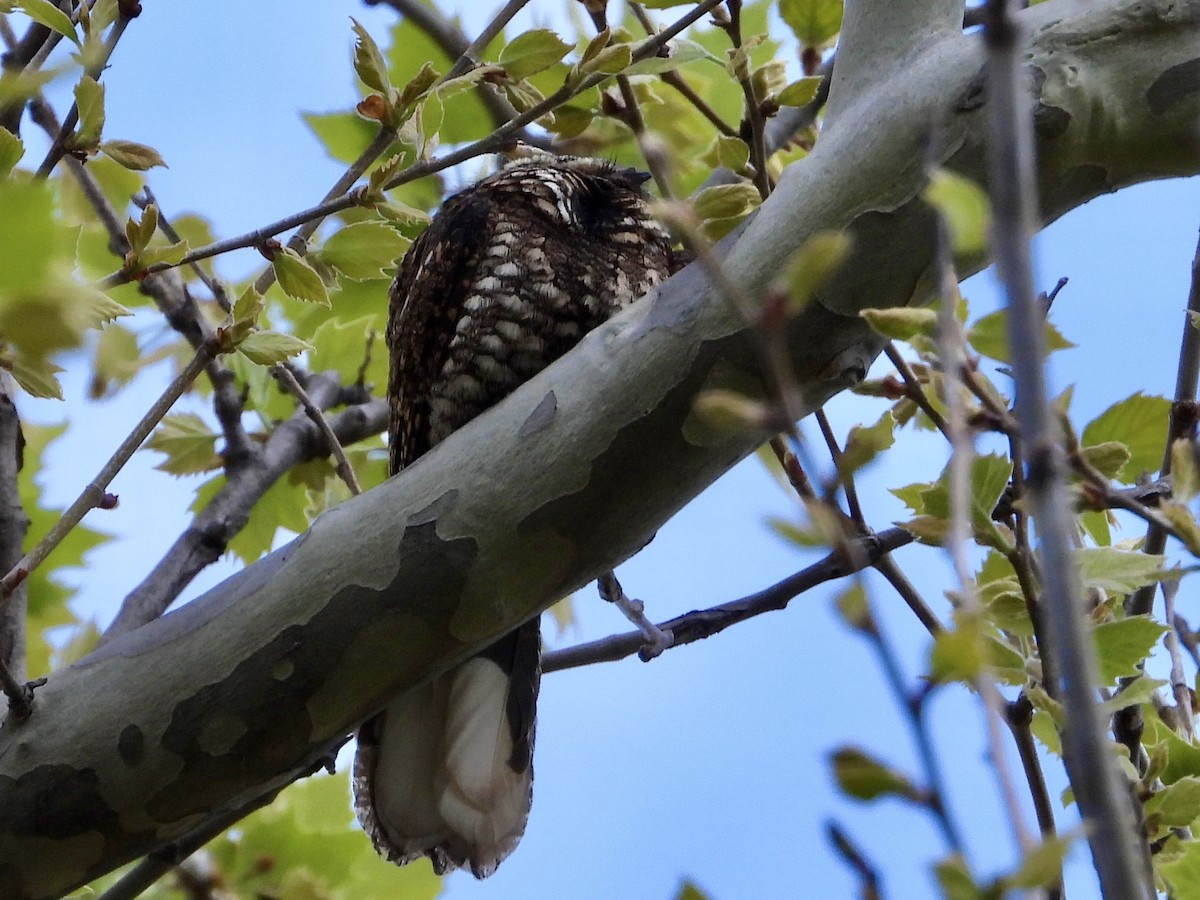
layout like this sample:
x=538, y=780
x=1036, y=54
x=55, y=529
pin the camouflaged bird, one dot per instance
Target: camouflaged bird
x=509, y=276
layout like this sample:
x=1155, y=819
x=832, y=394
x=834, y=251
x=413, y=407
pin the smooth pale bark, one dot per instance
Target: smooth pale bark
x=253, y=683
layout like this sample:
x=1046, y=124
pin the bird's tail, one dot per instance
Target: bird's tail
x=446, y=770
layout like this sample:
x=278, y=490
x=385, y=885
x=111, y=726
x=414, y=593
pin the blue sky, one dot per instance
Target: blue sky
x=711, y=762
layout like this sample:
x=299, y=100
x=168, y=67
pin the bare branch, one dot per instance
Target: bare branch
x=700, y=624
x=1117, y=849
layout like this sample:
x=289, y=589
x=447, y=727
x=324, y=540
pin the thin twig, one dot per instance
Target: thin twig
x=455, y=45
x=1117, y=850
x=93, y=494
x=656, y=639
x=913, y=704
x=844, y=476
x=214, y=284
x=951, y=345
x=498, y=139
x=754, y=124
x=1179, y=682
x=291, y=383
x=700, y=624
x=1141, y=602
x=867, y=873
x=914, y=390
x=59, y=145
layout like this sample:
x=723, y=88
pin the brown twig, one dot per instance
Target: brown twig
x=498, y=139
x=700, y=624
x=93, y=494
x=286, y=377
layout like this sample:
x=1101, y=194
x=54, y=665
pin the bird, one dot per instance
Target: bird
x=509, y=275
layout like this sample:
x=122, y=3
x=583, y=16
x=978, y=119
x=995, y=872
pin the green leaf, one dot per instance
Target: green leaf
x=799, y=93
x=342, y=346
x=1120, y=571
x=1041, y=866
x=989, y=336
x=532, y=52
x=902, y=323
x=1181, y=870
x=89, y=98
x=954, y=878
x=369, y=62
x=37, y=377
x=610, y=60
x=814, y=22
x=729, y=152
x=269, y=347
x=1185, y=474
x=854, y=608
x=964, y=207
x=864, y=443
x=167, y=253
x=862, y=776
x=46, y=13
x=809, y=268
x=132, y=155
x=1122, y=646
x=1108, y=458
x=298, y=279
x=344, y=135
x=1175, y=805
x=364, y=250
x=688, y=890
x=11, y=151
x=958, y=654
x=1133, y=693
x=188, y=442
x=139, y=233
x=1140, y=423
x=679, y=52
x=117, y=359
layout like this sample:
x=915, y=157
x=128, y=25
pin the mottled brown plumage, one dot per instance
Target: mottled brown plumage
x=510, y=275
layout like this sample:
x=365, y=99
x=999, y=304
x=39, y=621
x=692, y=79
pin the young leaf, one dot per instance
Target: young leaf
x=807, y=270
x=726, y=200
x=1120, y=571
x=298, y=279
x=532, y=52
x=1176, y=805
x=364, y=250
x=1140, y=423
x=964, y=207
x=901, y=323
x=864, y=442
x=46, y=13
x=1121, y=646
x=814, y=22
x=11, y=151
x=89, y=98
x=139, y=233
x=188, y=442
x=989, y=336
x=132, y=155
x=36, y=376
x=369, y=62
x=679, y=52
x=269, y=347
x=799, y=93
x=866, y=778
